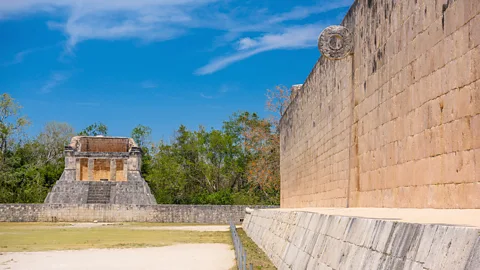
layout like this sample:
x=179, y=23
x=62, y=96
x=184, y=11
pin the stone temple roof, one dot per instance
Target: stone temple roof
x=101, y=144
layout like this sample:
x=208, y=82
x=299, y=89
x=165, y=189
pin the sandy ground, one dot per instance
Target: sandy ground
x=184, y=256
x=459, y=217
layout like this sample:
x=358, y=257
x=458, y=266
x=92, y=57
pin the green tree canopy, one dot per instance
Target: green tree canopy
x=236, y=164
x=11, y=123
x=94, y=129
x=142, y=135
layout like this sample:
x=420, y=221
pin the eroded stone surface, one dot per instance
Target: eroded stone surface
x=397, y=124
x=335, y=42
x=349, y=242
x=208, y=214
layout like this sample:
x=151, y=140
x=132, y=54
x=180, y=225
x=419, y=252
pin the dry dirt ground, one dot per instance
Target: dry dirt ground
x=183, y=256
x=105, y=246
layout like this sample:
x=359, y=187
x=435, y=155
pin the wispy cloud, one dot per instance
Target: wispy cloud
x=274, y=36
x=302, y=12
x=20, y=56
x=291, y=38
x=150, y=20
x=247, y=30
x=225, y=88
x=261, y=22
x=56, y=78
x=206, y=96
x=148, y=85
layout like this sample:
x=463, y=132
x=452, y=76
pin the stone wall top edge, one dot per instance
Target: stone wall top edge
x=14, y=204
x=156, y=205
x=349, y=17
x=459, y=220
x=351, y=12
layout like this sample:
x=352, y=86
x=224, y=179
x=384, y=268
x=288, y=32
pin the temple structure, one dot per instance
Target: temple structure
x=101, y=170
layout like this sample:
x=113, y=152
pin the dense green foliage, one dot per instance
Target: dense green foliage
x=237, y=164
x=211, y=167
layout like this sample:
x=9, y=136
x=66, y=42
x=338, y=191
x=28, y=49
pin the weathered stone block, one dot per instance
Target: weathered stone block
x=387, y=245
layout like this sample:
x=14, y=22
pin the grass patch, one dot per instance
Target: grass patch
x=55, y=225
x=45, y=236
x=150, y=224
x=255, y=255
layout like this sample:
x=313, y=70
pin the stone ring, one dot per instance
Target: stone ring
x=335, y=42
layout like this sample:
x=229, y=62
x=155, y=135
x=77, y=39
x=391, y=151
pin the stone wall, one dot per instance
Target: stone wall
x=210, y=214
x=397, y=124
x=134, y=191
x=303, y=240
x=103, y=144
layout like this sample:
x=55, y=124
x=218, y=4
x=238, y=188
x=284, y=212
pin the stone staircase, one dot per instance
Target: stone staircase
x=99, y=192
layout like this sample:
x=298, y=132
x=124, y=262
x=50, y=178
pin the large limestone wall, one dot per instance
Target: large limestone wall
x=315, y=138
x=398, y=123
x=211, y=214
x=303, y=240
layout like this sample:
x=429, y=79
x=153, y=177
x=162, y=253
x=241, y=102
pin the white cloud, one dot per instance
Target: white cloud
x=246, y=43
x=302, y=12
x=20, y=56
x=205, y=96
x=110, y=20
x=56, y=78
x=294, y=37
x=291, y=38
x=248, y=30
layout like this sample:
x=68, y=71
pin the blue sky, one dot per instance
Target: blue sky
x=159, y=63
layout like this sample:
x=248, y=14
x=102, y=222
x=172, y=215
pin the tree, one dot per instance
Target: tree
x=94, y=129
x=142, y=135
x=237, y=164
x=260, y=144
x=52, y=139
x=277, y=102
x=11, y=123
x=167, y=176
x=32, y=167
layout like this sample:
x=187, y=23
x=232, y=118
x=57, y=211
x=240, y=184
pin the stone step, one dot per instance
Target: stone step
x=98, y=197
x=99, y=192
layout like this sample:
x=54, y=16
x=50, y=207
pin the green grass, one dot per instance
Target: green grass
x=61, y=236
x=255, y=255
x=23, y=225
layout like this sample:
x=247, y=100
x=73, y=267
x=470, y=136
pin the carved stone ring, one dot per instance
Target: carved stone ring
x=335, y=42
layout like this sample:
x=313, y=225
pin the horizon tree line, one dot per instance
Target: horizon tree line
x=236, y=164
